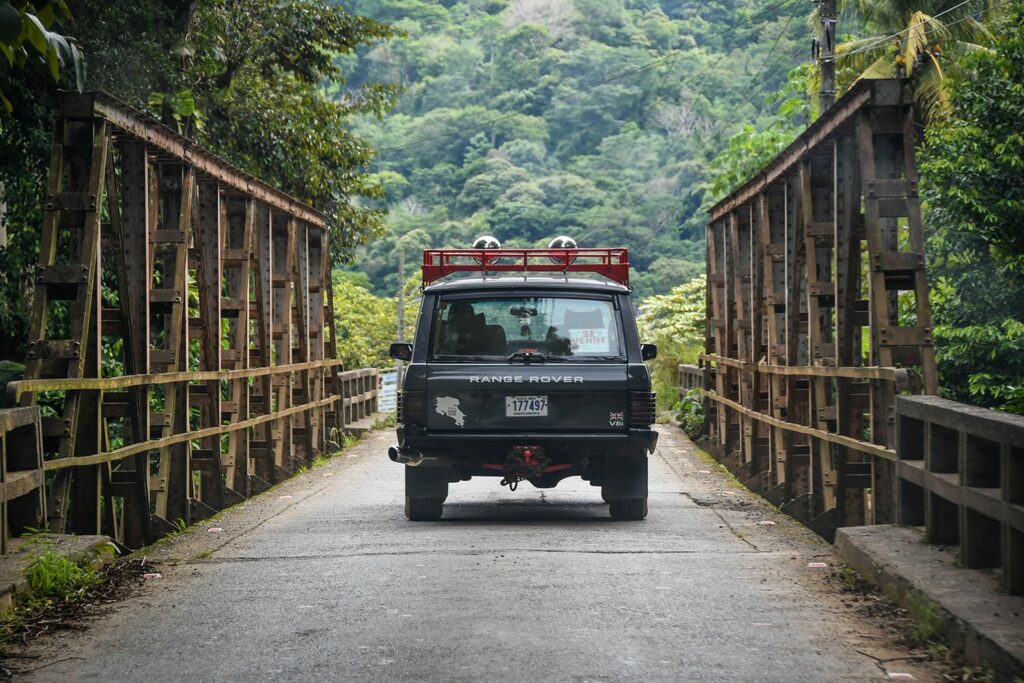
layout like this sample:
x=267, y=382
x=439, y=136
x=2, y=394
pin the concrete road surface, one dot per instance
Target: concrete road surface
x=324, y=579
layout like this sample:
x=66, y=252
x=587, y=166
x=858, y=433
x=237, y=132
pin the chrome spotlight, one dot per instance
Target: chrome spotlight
x=562, y=242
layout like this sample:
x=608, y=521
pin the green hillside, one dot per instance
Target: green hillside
x=594, y=118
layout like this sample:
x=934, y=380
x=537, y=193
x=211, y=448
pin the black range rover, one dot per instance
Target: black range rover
x=525, y=378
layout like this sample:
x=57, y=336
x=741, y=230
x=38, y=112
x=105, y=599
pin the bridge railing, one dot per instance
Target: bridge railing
x=818, y=313
x=182, y=334
x=211, y=451
x=690, y=377
x=961, y=477
x=360, y=390
x=22, y=494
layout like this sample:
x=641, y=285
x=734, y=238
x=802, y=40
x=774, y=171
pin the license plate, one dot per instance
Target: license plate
x=526, y=406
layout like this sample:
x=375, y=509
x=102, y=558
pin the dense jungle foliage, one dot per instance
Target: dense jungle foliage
x=599, y=119
x=419, y=123
x=242, y=77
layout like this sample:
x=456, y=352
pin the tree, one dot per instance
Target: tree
x=245, y=79
x=930, y=35
x=973, y=185
x=754, y=146
x=365, y=325
x=675, y=322
x=26, y=38
x=610, y=125
x=557, y=17
x=255, y=77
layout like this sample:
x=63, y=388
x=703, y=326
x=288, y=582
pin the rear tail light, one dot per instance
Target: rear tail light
x=412, y=408
x=641, y=408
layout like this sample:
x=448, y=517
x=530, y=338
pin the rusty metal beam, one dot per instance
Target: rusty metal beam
x=158, y=136
x=819, y=131
x=190, y=250
x=807, y=347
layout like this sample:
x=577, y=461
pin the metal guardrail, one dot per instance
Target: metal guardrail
x=961, y=477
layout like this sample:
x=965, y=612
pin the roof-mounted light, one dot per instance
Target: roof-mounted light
x=562, y=242
x=486, y=242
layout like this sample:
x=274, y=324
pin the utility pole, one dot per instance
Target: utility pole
x=401, y=304
x=827, y=55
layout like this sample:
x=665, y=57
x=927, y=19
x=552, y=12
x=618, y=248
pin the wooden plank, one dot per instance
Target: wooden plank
x=121, y=453
x=849, y=442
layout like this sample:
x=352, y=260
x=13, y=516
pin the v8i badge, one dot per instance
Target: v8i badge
x=616, y=419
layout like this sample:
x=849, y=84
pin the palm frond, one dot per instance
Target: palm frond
x=880, y=68
x=915, y=42
x=858, y=54
x=930, y=90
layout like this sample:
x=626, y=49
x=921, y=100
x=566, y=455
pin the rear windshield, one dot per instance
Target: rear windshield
x=559, y=328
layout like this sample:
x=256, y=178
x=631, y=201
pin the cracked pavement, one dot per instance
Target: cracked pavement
x=323, y=578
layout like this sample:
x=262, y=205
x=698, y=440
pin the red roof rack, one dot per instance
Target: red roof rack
x=611, y=263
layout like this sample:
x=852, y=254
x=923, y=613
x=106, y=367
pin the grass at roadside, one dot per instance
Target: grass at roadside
x=57, y=585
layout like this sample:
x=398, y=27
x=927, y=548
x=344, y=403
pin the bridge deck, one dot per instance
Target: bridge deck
x=332, y=582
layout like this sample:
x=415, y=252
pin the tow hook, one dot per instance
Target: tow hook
x=405, y=456
x=524, y=462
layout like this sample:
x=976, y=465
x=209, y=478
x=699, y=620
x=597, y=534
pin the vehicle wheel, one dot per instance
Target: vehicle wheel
x=628, y=509
x=423, y=509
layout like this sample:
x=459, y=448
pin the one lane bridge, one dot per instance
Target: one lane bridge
x=225, y=384
x=324, y=579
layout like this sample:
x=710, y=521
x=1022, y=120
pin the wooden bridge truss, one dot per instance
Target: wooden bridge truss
x=182, y=332
x=818, y=313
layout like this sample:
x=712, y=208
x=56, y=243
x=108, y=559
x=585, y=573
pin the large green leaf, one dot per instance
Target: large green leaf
x=78, y=62
x=10, y=24
x=47, y=15
x=36, y=33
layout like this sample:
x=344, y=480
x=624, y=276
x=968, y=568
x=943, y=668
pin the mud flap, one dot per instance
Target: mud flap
x=427, y=482
x=624, y=477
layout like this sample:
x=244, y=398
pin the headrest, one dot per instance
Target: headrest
x=461, y=309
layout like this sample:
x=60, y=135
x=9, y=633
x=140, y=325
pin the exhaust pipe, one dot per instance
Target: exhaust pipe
x=405, y=456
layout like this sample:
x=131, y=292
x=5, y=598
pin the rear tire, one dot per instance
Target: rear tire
x=423, y=509
x=628, y=509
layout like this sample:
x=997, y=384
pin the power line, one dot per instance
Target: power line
x=738, y=110
x=885, y=39
x=675, y=54
x=768, y=78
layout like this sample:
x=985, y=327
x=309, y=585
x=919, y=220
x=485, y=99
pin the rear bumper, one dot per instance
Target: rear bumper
x=630, y=441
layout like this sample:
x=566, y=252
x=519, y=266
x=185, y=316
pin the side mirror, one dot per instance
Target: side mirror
x=648, y=351
x=401, y=351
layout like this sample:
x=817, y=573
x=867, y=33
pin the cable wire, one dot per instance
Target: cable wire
x=885, y=39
